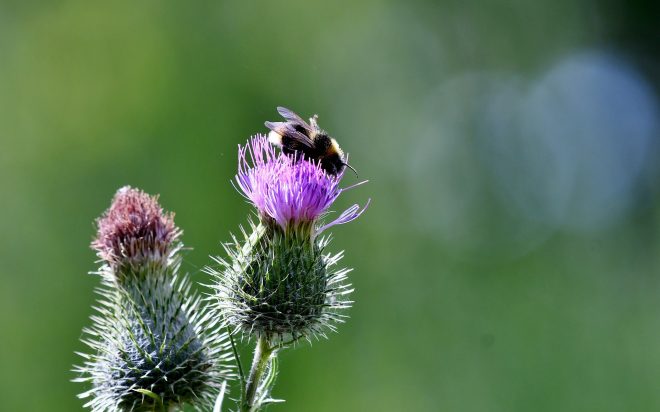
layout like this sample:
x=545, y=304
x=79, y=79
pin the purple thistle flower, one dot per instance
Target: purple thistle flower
x=135, y=231
x=287, y=189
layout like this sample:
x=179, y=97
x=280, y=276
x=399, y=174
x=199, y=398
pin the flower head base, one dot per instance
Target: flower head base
x=281, y=286
x=288, y=190
x=153, y=346
x=135, y=232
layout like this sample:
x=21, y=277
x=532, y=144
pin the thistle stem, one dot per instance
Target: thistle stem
x=262, y=354
x=237, y=358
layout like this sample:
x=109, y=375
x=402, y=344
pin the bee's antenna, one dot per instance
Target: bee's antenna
x=351, y=167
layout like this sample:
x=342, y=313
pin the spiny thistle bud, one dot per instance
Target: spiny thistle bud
x=153, y=346
x=135, y=235
x=279, y=283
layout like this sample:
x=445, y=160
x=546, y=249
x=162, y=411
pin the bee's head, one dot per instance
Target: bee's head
x=334, y=163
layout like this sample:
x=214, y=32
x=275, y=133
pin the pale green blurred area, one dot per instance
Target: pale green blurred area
x=509, y=260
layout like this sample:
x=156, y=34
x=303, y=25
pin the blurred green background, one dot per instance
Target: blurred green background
x=509, y=261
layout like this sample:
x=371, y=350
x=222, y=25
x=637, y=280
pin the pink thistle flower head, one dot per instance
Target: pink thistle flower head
x=288, y=189
x=135, y=232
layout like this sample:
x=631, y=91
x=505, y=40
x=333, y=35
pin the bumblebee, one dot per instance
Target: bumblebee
x=309, y=140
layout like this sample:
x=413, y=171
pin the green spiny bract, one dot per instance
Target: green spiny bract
x=153, y=346
x=149, y=348
x=280, y=284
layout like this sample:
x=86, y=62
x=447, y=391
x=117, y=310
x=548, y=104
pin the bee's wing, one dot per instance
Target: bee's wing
x=286, y=129
x=290, y=116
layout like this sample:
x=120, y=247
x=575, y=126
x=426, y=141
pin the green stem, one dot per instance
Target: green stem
x=262, y=354
x=237, y=358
